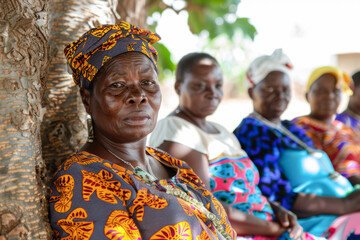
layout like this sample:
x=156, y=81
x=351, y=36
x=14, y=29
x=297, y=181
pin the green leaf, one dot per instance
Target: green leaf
x=165, y=61
x=246, y=27
x=210, y=16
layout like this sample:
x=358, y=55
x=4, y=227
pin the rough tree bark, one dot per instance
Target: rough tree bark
x=63, y=128
x=133, y=11
x=41, y=115
x=24, y=58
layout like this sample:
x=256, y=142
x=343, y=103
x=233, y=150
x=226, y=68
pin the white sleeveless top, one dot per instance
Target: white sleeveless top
x=176, y=129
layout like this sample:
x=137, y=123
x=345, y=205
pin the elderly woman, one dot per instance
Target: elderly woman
x=265, y=138
x=115, y=187
x=215, y=155
x=341, y=143
x=351, y=116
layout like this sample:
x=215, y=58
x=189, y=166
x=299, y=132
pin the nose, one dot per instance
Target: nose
x=333, y=95
x=136, y=96
x=282, y=94
x=212, y=91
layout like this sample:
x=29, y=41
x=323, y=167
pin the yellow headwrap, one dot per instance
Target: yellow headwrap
x=343, y=80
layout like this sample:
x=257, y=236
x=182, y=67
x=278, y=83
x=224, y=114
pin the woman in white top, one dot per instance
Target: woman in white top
x=216, y=156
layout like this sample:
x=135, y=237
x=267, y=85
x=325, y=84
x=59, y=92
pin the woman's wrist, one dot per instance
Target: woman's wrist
x=274, y=229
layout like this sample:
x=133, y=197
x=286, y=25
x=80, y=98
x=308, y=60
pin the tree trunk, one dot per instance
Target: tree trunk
x=133, y=11
x=24, y=85
x=24, y=57
x=63, y=129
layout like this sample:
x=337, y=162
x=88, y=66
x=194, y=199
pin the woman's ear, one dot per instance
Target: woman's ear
x=85, y=97
x=307, y=96
x=177, y=87
x=251, y=92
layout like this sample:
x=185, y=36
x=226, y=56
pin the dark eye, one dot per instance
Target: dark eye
x=117, y=85
x=268, y=89
x=286, y=90
x=147, y=82
x=337, y=91
x=150, y=85
x=320, y=91
x=219, y=85
x=199, y=86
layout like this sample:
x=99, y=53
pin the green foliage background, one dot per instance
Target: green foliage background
x=218, y=20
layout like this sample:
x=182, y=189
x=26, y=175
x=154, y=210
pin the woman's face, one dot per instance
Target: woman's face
x=125, y=99
x=272, y=95
x=201, y=91
x=324, y=97
x=354, y=100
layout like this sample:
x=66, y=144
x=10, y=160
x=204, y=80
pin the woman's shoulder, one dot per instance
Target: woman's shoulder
x=83, y=163
x=291, y=125
x=251, y=124
x=176, y=129
x=173, y=121
x=167, y=158
x=301, y=120
x=171, y=125
x=221, y=128
x=79, y=159
x=310, y=124
x=342, y=116
x=245, y=123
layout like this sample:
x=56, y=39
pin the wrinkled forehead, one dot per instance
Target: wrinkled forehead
x=205, y=67
x=275, y=78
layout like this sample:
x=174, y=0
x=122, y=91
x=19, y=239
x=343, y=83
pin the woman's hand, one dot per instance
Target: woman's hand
x=287, y=220
x=352, y=202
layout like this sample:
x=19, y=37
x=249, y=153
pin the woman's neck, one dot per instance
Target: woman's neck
x=328, y=120
x=201, y=123
x=133, y=152
x=276, y=121
x=352, y=108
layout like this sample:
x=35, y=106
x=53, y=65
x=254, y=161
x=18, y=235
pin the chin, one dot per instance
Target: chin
x=136, y=134
x=277, y=113
x=209, y=112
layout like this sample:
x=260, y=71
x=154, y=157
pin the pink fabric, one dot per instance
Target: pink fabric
x=345, y=227
x=241, y=181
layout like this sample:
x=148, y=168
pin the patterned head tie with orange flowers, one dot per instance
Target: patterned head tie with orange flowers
x=97, y=46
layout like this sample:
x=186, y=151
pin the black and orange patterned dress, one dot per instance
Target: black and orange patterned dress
x=93, y=198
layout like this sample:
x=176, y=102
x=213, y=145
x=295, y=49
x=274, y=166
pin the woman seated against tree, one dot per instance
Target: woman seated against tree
x=115, y=187
x=216, y=156
x=341, y=143
x=267, y=139
x=351, y=116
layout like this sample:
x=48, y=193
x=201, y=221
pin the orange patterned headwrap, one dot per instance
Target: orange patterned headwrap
x=97, y=46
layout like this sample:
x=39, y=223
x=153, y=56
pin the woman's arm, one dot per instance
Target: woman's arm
x=263, y=146
x=196, y=160
x=74, y=196
x=354, y=180
x=307, y=205
x=287, y=219
x=243, y=223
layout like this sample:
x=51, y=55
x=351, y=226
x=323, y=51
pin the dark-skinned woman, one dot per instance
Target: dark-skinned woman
x=216, y=156
x=342, y=143
x=115, y=187
x=351, y=115
x=266, y=139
